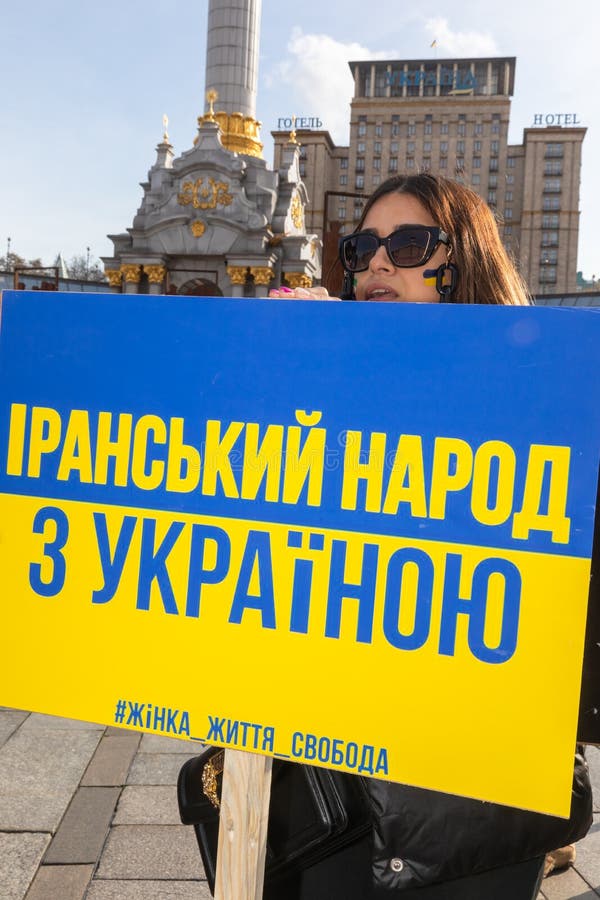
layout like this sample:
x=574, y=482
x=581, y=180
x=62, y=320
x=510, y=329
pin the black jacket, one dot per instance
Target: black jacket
x=440, y=837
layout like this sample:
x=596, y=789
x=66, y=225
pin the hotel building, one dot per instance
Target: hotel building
x=451, y=116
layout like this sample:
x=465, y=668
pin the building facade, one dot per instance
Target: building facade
x=451, y=117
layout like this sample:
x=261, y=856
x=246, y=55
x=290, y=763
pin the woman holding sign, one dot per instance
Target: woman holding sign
x=421, y=239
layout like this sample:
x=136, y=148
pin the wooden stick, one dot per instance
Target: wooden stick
x=243, y=826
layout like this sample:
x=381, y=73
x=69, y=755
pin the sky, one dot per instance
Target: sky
x=85, y=87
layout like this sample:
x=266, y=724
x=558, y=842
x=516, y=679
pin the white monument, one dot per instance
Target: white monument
x=216, y=220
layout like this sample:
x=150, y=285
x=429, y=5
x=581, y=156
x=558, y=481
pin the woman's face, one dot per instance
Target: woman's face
x=383, y=280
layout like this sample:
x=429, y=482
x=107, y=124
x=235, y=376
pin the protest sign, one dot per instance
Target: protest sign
x=353, y=535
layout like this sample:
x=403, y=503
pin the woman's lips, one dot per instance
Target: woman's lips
x=380, y=292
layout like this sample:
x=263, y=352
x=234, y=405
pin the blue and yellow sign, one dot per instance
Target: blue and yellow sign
x=354, y=535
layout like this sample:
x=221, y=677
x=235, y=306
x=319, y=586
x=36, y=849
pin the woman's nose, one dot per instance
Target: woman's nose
x=381, y=260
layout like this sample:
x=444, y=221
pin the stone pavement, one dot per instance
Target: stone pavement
x=91, y=812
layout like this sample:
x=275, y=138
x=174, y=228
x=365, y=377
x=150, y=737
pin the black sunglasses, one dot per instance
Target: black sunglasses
x=407, y=247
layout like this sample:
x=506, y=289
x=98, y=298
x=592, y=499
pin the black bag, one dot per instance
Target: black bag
x=313, y=812
x=406, y=837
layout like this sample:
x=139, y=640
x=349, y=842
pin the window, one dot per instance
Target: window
x=554, y=150
x=460, y=147
x=395, y=126
x=443, y=147
x=553, y=167
x=507, y=230
x=548, y=275
x=362, y=126
x=428, y=125
x=508, y=212
x=377, y=163
x=444, y=128
x=360, y=164
x=478, y=128
x=410, y=147
x=511, y=162
x=549, y=238
x=412, y=129
x=344, y=162
x=343, y=179
x=494, y=147
x=394, y=147
x=476, y=146
x=378, y=129
x=393, y=166
x=360, y=182
x=357, y=213
x=460, y=163
x=476, y=162
x=550, y=203
x=380, y=82
x=493, y=181
x=496, y=123
x=341, y=213
x=377, y=148
x=510, y=179
x=302, y=152
x=302, y=168
x=376, y=180
x=410, y=162
x=491, y=197
x=550, y=221
x=493, y=165
x=508, y=196
x=444, y=162
x=549, y=257
x=426, y=166
x=552, y=186
x=426, y=146
x=360, y=148
x=462, y=125
x=476, y=178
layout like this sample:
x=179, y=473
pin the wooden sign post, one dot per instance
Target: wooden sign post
x=243, y=826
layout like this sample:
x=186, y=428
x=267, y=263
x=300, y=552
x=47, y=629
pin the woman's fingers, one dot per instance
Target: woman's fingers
x=315, y=293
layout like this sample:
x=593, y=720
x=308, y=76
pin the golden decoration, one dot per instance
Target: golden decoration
x=298, y=280
x=211, y=98
x=165, y=126
x=293, y=132
x=156, y=274
x=210, y=772
x=198, y=227
x=114, y=277
x=237, y=274
x=262, y=274
x=297, y=211
x=314, y=246
x=131, y=273
x=239, y=133
x=203, y=196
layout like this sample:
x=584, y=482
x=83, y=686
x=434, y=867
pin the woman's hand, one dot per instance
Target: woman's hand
x=316, y=293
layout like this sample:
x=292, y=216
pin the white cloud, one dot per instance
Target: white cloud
x=460, y=43
x=319, y=80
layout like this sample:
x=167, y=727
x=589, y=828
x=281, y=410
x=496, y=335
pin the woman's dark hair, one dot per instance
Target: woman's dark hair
x=486, y=273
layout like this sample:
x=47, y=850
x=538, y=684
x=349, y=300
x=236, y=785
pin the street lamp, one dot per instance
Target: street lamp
x=8, y=254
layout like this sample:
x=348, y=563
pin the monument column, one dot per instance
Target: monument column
x=232, y=54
